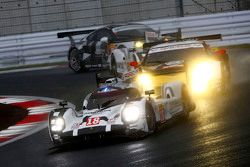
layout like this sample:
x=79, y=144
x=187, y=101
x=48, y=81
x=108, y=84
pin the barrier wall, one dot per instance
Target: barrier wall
x=40, y=48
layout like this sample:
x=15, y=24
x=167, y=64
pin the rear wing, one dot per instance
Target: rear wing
x=177, y=36
x=73, y=33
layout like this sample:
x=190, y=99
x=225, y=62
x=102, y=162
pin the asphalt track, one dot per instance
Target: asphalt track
x=216, y=134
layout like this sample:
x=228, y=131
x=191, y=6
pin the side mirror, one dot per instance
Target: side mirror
x=149, y=92
x=134, y=64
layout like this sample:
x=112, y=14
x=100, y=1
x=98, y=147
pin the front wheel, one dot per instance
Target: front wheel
x=188, y=104
x=74, y=61
x=151, y=120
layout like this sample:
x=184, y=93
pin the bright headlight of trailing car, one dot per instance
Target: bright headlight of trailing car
x=57, y=124
x=131, y=114
x=145, y=82
x=202, y=74
x=139, y=44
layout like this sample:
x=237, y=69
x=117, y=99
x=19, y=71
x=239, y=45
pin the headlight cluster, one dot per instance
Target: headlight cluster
x=131, y=114
x=145, y=82
x=139, y=44
x=57, y=124
x=202, y=74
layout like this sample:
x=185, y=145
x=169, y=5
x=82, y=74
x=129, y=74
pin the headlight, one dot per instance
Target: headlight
x=139, y=44
x=145, y=82
x=201, y=76
x=131, y=114
x=57, y=124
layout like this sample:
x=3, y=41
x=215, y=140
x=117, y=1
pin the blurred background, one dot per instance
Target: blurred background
x=28, y=16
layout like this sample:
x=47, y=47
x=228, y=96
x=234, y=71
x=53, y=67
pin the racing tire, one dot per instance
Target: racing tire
x=151, y=119
x=113, y=65
x=74, y=61
x=187, y=103
x=151, y=123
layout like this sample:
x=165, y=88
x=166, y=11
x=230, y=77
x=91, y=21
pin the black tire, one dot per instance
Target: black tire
x=188, y=105
x=113, y=65
x=151, y=119
x=74, y=60
x=151, y=122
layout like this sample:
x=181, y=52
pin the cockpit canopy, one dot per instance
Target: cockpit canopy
x=110, y=96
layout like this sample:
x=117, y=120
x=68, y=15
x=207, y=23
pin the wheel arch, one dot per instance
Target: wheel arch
x=70, y=49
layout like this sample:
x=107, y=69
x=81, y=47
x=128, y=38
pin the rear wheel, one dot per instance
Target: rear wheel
x=74, y=61
x=113, y=65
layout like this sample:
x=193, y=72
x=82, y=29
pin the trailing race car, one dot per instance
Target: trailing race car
x=121, y=111
x=192, y=62
x=94, y=49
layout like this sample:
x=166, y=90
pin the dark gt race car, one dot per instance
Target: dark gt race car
x=121, y=111
x=96, y=46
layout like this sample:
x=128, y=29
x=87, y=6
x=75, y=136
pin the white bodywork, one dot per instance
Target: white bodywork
x=99, y=121
x=123, y=56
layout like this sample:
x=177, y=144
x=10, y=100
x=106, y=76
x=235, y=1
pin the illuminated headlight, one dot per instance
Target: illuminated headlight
x=139, y=44
x=145, y=82
x=201, y=76
x=57, y=124
x=131, y=114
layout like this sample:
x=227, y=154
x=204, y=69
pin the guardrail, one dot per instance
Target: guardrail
x=39, y=48
x=234, y=26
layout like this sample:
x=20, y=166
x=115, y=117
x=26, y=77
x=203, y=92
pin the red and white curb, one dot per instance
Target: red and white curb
x=38, y=110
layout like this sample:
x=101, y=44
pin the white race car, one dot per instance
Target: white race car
x=121, y=111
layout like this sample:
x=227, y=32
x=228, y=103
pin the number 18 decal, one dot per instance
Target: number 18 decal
x=93, y=121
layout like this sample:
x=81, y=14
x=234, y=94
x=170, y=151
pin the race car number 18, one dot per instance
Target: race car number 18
x=93, y=121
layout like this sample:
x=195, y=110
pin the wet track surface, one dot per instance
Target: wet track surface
x=217, y=133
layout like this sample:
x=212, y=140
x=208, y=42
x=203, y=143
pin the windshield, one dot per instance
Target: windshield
x=173, y=55
x=108, y=99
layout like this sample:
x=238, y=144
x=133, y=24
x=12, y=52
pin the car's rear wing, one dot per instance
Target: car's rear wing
x=69, y=34
x=177, y=36
x=73, y=33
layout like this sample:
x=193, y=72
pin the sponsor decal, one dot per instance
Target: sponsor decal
x=75, y=126
x=130, y=74
x=173, y=47
x=93, y=121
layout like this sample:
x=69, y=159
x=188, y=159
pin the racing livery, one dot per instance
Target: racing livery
x=192, y=62
x=94, y=49
x=119, y=110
